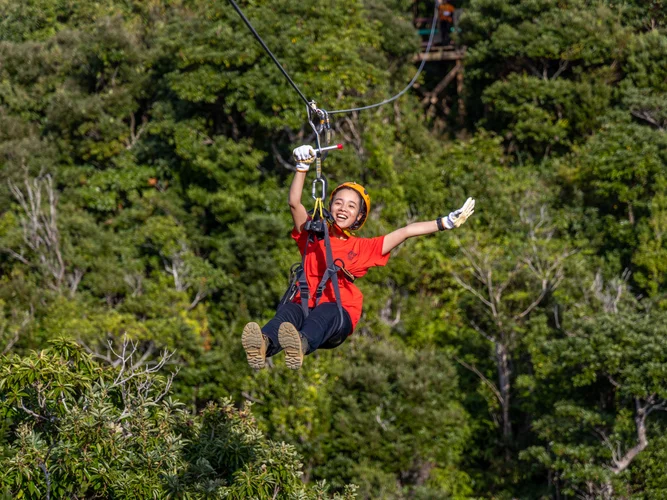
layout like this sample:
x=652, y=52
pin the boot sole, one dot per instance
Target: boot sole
x=290, y=341
x=254, y=345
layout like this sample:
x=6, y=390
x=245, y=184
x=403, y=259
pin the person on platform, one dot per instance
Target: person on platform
x=446, y=20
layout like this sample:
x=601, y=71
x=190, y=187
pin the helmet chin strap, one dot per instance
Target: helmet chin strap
x=346, y=232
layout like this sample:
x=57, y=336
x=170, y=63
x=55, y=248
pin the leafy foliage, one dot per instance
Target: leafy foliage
x=76, y=428
x=620, y=360
x=144, y=159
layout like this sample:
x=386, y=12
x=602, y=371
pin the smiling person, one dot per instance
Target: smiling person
x=324, y=327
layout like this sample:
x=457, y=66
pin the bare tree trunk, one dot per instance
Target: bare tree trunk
x=621, y=461
x=461, y=102
x=504, y=386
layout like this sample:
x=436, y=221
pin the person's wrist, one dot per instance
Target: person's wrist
x=439, y=223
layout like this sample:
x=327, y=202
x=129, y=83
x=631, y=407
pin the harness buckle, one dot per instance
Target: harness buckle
x=347, y=274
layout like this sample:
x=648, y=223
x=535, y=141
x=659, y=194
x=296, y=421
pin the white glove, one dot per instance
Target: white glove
x=303, y=156
x=458, y=217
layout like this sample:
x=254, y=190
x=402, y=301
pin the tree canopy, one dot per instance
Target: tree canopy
x=144, y=167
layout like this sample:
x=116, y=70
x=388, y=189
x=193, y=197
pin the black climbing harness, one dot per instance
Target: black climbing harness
x=318, y=229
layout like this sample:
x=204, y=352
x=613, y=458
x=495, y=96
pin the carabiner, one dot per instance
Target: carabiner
x=323, y=181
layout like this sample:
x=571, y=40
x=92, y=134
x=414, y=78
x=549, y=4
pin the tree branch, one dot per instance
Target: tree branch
x=468, y=287
x=278, y=157
x=490, y=384
x=642, y=411
x=30, y=412
x=483, y=333
x=644, y=115
x=562, y=66
x=535, y=303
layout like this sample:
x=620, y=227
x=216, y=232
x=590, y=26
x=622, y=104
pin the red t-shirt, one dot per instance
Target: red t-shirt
x=358, y=254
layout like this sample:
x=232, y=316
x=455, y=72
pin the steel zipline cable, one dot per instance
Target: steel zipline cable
x=350, y=110
x=268, y=51
x=412, y=82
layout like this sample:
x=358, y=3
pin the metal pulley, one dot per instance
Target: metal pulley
x=319, y=122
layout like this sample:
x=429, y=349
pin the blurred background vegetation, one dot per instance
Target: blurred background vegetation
x=144, y=163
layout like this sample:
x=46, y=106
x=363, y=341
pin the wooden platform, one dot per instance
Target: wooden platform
x=442, y=53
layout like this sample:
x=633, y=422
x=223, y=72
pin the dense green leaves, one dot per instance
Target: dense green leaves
x=381, y=418
x=75, y=428
x=592, y=441
x=144, y=163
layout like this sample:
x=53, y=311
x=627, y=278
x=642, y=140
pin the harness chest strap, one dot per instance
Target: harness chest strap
x=296, y=283
x=313, y=227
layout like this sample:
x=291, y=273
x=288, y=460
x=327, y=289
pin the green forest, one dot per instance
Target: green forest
x=145, y=161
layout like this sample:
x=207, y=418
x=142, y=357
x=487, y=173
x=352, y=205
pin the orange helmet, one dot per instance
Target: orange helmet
x=365, y=197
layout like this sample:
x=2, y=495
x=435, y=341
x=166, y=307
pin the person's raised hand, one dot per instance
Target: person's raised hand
x=303, y=156
x=458, y=217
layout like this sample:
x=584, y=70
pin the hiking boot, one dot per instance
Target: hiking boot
x=294, y=343
x=255, y=344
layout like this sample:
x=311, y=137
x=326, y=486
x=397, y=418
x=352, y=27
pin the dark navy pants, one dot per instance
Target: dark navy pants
x=322, y=328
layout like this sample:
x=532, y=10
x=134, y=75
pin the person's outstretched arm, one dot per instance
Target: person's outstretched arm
x=304, y=156
x=454, y=219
